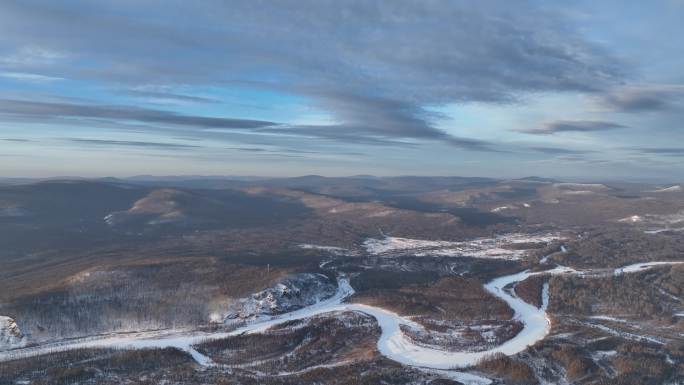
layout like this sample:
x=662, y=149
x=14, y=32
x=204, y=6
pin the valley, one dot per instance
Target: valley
x=342, y=286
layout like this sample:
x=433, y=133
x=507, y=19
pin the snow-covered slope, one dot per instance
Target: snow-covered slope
x=657, y=223
x=675, y=188
x=291, y=293
x=10, y=335
x=631, y=219
x=160, y=206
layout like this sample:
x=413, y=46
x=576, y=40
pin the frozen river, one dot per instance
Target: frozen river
x=392, y=343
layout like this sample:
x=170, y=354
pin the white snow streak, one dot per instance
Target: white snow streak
x=641, y=266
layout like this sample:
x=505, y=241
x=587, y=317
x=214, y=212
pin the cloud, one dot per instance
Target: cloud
x=666, y=151
x=20, y=140
x=371, y=133
x=558, y=150
x=374, y=67
x=249, y=149
x=572, y=126
x=170, y=96
x=23, y=76
x=472, y=144
x=643, y=98
x=365, y=119
x=32, y=56
x=380, y=116
x=128, y=143
x=336, y=133
x=260, y=149
x=37, y=109
x=270, y=152
x=361, y=134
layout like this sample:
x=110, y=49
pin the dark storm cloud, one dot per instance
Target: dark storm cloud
x=36, y=109
x=374, y=66
x=129, y=143
x=572, y=126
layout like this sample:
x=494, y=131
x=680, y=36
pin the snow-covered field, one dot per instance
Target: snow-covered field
x=496, y=247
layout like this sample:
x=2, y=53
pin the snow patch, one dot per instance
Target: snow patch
x=627, y=335
x=330, y=249
x=675, y=188
x=495, y=247
x=664, y=230
x=582, y=186
x=383, y=213
x=608, y=318
x=11, y=336
x=605, y=353
x=110, y=219
x=579, y=192
x=542, y=261
x=657, y=223
x=511, y=207
x=632, y=219
x=499, y=209
x=215, y=318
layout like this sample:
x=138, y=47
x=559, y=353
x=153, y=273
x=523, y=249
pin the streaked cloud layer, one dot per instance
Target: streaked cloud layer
x=346, y=87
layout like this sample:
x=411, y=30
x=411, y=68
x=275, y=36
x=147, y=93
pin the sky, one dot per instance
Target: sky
x=580, y=89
